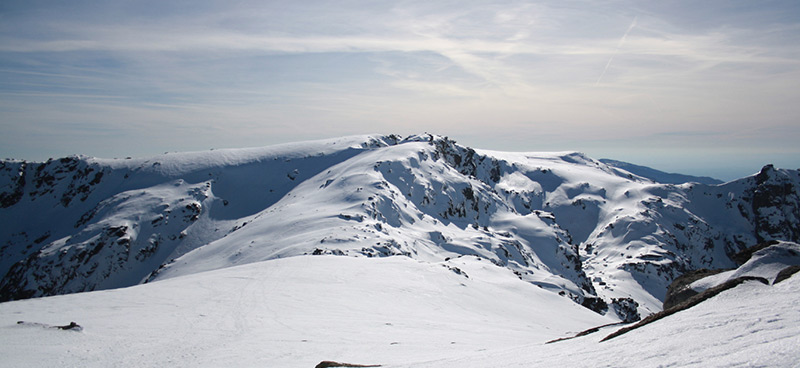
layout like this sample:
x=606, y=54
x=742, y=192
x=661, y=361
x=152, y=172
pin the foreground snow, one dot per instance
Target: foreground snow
x=293, y=312
x=498, y=251
x=752, y=325
x=394, y=311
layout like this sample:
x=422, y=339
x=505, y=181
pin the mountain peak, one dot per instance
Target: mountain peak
x=602, y=236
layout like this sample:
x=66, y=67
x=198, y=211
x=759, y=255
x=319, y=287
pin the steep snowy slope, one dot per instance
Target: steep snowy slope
x=79, y=224
x=606, y=238
x=668, y=230
x=402, y=200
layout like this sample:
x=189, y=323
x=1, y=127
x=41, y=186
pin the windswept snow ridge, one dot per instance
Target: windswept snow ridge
x=606, y=238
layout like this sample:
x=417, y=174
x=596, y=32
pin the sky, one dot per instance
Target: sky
x=697, y=87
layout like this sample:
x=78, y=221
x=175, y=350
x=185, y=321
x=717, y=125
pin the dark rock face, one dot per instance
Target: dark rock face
x=743, y=256
x=626, y=308
x=776, y=205
x=596, y=304
x=61, y=236
x=15, y=174
x=330, y=363
x=786, y=273
x=48, y=273
x=66, y=179
x=679, y=291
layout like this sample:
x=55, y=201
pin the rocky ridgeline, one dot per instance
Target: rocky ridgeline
x=612, y=241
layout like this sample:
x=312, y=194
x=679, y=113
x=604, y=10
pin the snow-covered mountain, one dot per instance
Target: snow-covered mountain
x=394, y=312
x=599, y=235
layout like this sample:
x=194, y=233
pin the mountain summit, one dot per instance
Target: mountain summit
x=604, y=237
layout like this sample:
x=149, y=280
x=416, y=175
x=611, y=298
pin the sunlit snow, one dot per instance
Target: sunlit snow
x=404, y=252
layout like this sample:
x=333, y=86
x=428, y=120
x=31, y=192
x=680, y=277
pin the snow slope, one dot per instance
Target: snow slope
x=600, y=236
x=405, y=252
x=752, y=325
x=293, y=312
x=79, y=224
x=393, y=311
x=766, y=263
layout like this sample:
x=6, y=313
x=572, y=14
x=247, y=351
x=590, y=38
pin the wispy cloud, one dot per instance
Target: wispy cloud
x=547, y=65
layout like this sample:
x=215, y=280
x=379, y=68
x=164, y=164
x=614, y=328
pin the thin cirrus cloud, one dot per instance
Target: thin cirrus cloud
x=586, y=75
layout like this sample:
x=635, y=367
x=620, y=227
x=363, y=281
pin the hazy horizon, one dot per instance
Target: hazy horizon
x=703, y=89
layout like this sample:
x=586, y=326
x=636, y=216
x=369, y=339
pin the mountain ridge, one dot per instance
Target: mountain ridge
x=659, y=176
x=611, y=241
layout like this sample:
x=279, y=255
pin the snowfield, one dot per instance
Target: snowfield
x=752, y=325
x=394, y=311
x=400, y=251
x=293, y=312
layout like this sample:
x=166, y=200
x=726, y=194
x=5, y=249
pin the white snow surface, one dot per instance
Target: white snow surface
x=768, y=262
x=752, y=325
x=393, y=311
x=293, y=312
x=561, y=221
x=765, y=263
x=445, y=256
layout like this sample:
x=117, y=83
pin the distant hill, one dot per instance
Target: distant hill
x=659, y=176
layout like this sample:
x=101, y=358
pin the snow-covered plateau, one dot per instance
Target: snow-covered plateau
x=399, y=251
